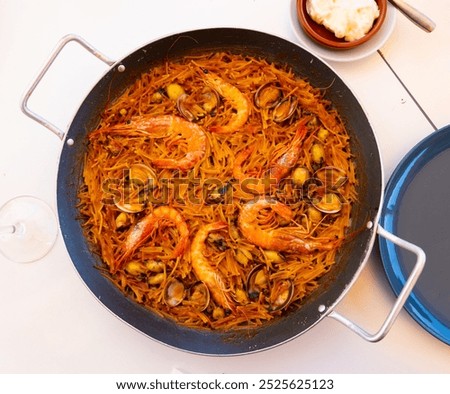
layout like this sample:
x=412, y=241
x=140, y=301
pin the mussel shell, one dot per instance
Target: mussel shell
x=199, y=296
x=174, y=292
x=281, y=294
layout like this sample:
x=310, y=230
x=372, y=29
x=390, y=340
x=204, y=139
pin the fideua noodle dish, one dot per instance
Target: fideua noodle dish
x=218, y=189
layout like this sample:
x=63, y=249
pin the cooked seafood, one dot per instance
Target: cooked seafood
x=218, y=190
x=165, y=126
x=283, y=239
x=142, y=230
x=278, y=170
x=238, y=101
x=203, y=269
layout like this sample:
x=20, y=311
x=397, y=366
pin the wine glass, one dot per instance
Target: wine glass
x=28, y=229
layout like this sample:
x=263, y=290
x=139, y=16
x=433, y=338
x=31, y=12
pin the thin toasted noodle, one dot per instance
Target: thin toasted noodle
x=206, y=191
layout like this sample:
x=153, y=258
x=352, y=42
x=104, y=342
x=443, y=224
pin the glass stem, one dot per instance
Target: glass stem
x=11, y=229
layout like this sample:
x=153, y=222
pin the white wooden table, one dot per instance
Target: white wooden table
x=50, y=323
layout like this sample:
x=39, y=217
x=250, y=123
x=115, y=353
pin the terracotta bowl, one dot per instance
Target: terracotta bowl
x=325, y=37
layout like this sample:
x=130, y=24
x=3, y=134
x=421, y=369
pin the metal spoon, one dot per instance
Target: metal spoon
x=415, y=15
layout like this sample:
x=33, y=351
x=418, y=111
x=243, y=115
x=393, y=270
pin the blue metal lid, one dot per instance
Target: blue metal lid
x=417, y=209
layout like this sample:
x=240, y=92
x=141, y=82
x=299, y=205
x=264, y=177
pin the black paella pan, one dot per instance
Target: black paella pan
x=352, y=255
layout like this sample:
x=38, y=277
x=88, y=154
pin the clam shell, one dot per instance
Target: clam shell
x=328, y=203
x=174, y=292
x=284, y=109
x=268, y=95
x=281, y=294
x=199, y=296
x=257, y=281
x=331, y=177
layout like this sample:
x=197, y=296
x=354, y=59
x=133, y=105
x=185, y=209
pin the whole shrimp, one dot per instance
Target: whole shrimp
x=237, y=99
x=161, y=127
x=288, y=239
x=142, y=230
x=289, y=158
x=278, y=170
x=203, y=269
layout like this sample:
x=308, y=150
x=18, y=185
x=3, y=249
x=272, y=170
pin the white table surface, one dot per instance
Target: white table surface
x=50, y=322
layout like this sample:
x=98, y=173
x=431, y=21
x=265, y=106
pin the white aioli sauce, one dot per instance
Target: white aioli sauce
x=348, y=19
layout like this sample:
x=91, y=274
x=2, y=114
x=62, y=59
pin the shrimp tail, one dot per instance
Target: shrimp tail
x=288, y=160
x=203, y=269
x=288, y=240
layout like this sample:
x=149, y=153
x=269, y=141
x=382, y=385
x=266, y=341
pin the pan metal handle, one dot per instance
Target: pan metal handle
x=402, y=297
x=61, y=44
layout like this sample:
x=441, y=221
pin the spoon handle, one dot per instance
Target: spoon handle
x=415, y=15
